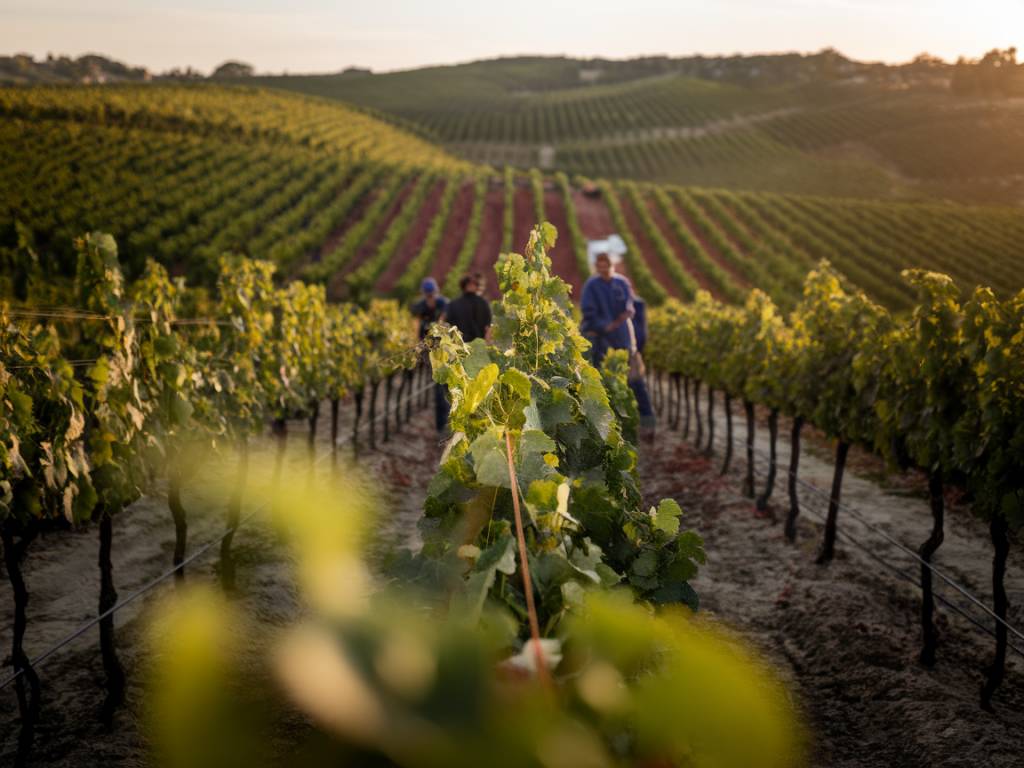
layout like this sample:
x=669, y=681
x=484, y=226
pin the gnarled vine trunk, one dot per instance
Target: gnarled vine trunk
x=374, y=386
x=773, y=439
x=311, y=420
x=678, y=397
x=409, y=384
x=699, y=437
x=727, y=461
x=179, y=516
x=929, y=637
x=828, y=548
x=686, y=403
x=748, y=480
x=711, y=423
x=335, y=403
x=279, y=429
x=234, y=514
x=387, y=407
x=358, y=397
x=26, y=686
x=794, y=466
x=108, y=599
x=1001, y=543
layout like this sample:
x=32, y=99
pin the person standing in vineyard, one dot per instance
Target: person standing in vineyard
x=609, y=309
x=471, y=312
x=429, y=310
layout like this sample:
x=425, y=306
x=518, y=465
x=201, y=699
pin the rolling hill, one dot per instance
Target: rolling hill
x=335, y=195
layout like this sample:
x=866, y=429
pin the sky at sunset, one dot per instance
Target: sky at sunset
x=322, y=36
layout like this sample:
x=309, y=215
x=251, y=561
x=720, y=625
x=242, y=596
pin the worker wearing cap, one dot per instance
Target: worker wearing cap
x=429, y=310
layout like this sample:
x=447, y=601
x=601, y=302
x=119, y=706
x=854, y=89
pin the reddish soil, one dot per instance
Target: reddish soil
x=563, y=259
x=455, y=232
x=354, y=214
x=647, y=250
x=712, y=251
x=413, y=241
x=369, y=245
x=594, y=219
x=680, y=251
x=525, y=217
x=489, y=246
x=725, y=232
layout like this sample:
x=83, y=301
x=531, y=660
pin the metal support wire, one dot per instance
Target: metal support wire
x=958, y=608
x=38, y=660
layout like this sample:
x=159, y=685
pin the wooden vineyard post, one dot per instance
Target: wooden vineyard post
x=524, y=568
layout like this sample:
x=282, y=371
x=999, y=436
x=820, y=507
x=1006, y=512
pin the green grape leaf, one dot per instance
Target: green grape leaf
x=490, y=461
x=480, y=387
x=666, y=517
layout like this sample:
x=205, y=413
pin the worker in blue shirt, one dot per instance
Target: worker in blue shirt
x=606, y=303
x=614, y=318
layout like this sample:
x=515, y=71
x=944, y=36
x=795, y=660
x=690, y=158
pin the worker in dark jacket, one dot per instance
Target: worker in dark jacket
x=470, y=313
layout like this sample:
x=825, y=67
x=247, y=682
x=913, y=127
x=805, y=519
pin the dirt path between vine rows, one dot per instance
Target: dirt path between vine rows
x=63, y=580
x=843, y=636
x=846, y=636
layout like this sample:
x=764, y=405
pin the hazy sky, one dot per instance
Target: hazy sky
x=317, y=35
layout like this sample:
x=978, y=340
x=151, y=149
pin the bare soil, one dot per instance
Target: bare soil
x=455, y=233
x=677, y=247
x=844, y=636
x=563, y=258
x=595, y=220
x=489, y=245
x=711, y=249
x=63, y=580
x=525, y=217
x=369, y=245
x=413, y=240
x=648, y=252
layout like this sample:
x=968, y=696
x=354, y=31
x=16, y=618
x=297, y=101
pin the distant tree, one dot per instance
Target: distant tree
x=996, y=74
x=233, y=69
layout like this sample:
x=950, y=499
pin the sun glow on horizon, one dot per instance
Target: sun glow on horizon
x=316, y=35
